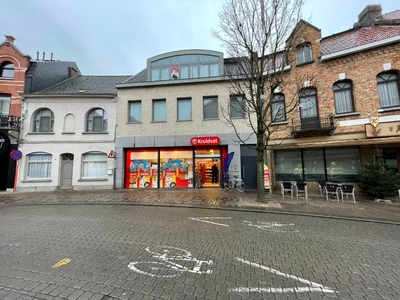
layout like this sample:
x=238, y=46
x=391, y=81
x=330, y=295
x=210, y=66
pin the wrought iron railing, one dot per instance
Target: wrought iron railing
x=10, y=121
x=314, y=124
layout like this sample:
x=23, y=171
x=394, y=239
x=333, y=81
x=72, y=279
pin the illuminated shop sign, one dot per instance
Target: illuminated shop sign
x=205, y=141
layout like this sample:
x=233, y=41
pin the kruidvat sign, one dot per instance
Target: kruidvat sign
x=4, y=142
x=205, y=141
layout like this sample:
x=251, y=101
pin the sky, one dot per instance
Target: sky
x=116, y=37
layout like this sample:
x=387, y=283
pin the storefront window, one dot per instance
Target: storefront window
x=176, y=167
x=288, y=165
x=314, y=169
x=142, y=169
x=342, y=164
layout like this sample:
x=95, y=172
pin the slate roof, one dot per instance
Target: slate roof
x=43, y=74
x=89, y=85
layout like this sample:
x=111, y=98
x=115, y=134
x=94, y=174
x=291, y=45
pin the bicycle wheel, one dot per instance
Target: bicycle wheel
x=155, y=269
x=240, y=186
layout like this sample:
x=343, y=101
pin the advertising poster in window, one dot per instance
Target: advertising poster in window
x=140, y=173
x=176, y=173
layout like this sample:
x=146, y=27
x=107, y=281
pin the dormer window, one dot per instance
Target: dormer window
x=304, y=54
x=7, y=70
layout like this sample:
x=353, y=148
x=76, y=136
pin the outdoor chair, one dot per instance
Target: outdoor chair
x=333, y=190
x=301, y=187
x=347, y=190
x=321, y=185
x=286, y=186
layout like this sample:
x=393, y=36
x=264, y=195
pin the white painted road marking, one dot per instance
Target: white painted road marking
x=205, y=220
x=272, y=226
x=313, y=287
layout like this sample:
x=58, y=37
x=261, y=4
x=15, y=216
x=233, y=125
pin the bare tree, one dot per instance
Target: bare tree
x=258, y=36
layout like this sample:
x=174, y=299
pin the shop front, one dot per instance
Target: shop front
x=181, y=167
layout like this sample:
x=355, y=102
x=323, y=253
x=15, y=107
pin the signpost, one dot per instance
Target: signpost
x=16, y=155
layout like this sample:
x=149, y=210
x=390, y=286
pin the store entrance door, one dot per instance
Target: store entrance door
x=208, y=167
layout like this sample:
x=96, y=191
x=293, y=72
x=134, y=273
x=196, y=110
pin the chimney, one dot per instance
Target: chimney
x=44, y=55
x=10, y=39
x=369, y=15
x=72, y=72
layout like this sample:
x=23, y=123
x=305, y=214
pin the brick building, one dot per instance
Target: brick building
x=349, y=111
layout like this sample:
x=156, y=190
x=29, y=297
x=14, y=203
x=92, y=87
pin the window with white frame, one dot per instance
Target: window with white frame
x=43, y=121
x=94, y=165
x=210, y=108
x=237, y=106
x=343, y=94
x=7, y=70
x=303, y=54
x=5, y=100
x=278, y=112
x=39, y=165
x=159, y=110
x=97, y=120
x=185, y=109
x=135, y=112
x=388, y=88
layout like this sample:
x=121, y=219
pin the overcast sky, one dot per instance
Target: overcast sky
x=115, y=37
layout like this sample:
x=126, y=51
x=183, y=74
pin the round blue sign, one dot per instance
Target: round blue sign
x=16, y=154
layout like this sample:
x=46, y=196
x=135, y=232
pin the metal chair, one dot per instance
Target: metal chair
x=333, y=190
x=347, y=190
x=301, y=187
x=286, y=186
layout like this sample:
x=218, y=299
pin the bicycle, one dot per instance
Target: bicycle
x=237, y=183
x=167, y=267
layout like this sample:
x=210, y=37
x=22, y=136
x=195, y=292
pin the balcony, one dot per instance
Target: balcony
x=315, y=126
x=7, y=121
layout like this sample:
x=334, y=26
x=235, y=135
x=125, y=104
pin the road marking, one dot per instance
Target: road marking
x=205, y=220
x=313, y=287
x=272, y=226
x=61, y=263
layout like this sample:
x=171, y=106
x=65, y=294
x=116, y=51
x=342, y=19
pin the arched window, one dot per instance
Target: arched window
x=304, y=54
x=97, y=120
x=43, y=121
x=278, y=112
x=343, y=94
x=388, y=88
x=94, y=165
x=7, y=70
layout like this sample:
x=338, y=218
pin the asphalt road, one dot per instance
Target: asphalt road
x=137, y=252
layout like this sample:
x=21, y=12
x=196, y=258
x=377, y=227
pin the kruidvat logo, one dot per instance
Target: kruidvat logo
x=210, y=140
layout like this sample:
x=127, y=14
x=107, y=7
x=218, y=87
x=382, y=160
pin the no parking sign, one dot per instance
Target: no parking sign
x=16, y=154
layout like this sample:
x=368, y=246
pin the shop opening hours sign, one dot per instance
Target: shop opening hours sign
x=205, y=141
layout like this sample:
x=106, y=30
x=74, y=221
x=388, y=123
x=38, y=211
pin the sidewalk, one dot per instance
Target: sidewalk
x=215, y=198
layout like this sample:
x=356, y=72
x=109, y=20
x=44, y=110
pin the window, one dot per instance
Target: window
x=303, y=54
x=94, y=165
x=210, y=108
x=185, y=66
x=308, y=103
x=237, y=107
x=184, y=109
x=7, y=70
x=43, y=121
x=135, y=112
x=39, y=165
x=5, y=100
x=278, y=112
x=342, y=164
x=343, y=94
x=97, y=121
x=388, y=88
x=159, y=111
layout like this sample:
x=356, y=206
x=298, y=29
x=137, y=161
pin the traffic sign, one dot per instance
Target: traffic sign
x=16, y=155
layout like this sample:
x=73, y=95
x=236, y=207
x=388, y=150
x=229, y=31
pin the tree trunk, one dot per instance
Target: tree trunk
x=260, y=168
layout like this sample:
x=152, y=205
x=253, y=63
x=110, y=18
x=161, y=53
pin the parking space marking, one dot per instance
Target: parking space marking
x=205, y=220
x=313, y=286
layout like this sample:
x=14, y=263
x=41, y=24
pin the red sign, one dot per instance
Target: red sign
x=16, y=155
x=205, y=141
x=111, y=154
